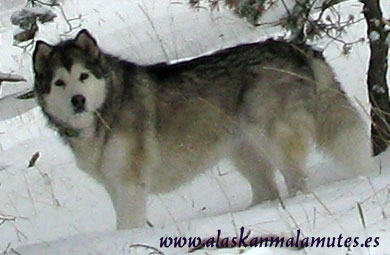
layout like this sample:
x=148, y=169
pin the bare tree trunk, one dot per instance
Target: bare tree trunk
x=377, y=73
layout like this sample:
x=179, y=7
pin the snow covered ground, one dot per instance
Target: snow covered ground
x=55, y=201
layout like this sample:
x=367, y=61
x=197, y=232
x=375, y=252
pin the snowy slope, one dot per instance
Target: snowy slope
x=329, y=211
x=54, y=200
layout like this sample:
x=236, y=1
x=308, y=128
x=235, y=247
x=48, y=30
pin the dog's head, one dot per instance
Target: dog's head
x=70, y=80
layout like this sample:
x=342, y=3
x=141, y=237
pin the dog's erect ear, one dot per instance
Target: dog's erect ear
x=41, y=55
x=87, y=43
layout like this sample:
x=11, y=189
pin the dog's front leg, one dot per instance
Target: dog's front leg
x=129, y=200
x=126, y=167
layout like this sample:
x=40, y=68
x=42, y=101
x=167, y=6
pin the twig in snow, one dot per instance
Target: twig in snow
x=4, y=218
x=377, y=198
x=155, y=31
x=29, y=193
x=6, y=248
x=10, y=77
x=46, y=178
x=361, y=214
x=229, y=204
x=34, y=159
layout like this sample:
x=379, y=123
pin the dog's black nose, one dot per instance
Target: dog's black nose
x=78, y=102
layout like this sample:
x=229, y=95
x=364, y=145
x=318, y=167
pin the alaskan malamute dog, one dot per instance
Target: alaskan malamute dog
x=140, y=129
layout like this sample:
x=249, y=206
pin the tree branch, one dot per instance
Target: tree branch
x=10, y=77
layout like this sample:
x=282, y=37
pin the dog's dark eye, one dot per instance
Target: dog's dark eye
x=84, y=76
x=59, y=83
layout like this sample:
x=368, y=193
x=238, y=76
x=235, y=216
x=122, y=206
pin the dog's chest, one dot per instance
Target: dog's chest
x=87, y=152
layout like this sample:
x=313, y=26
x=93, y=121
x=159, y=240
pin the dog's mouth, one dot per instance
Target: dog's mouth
x=78, y=111
x=80, y=119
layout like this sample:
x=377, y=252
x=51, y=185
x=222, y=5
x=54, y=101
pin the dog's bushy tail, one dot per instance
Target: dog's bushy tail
x=341, y=132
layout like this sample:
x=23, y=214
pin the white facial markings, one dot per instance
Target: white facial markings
x=58, y=101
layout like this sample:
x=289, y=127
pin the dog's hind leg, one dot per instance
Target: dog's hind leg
x=286, y=148
x=258, y=171
x=294, y=150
